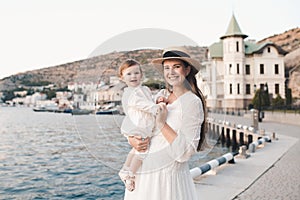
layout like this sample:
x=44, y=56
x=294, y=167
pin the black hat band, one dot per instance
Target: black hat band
x=175, y=54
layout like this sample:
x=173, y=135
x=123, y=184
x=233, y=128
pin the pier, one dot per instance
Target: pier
x=271, y=171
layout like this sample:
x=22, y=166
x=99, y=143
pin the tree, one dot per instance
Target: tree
x=256, y=101
x=261, y=99
x=289, y=98
x=30, y=91
x=8, y=95
x=266, y=96
x=278, y=101
x=50, y=94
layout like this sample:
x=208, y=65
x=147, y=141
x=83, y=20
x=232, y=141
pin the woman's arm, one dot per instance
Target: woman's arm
x=183, y=143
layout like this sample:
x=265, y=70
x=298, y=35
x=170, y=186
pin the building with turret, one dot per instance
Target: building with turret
x=236, y=68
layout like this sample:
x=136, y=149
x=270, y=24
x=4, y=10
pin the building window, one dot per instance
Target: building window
x=276, y=88
x=248, y=89
x=237, y=46
x=238, y=68
x=230, y=68
x=261, y=87
x=247, y=69
x=276, y=68
x=230, y=88
x=269, y=50
x=261, y=69
x=238, y=88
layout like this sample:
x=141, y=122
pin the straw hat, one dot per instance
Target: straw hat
x=177, y=53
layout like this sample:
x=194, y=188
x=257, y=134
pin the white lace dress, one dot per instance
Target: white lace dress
x=165, y=174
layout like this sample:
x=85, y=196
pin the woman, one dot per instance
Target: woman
x=165, y=174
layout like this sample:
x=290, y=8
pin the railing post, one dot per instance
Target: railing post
x=250, y=139
x=228, y=142
x=222, y=136
x=241, y=140
x=234, y=142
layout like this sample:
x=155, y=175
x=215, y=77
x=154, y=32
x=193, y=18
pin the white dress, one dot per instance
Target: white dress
x=165, y=174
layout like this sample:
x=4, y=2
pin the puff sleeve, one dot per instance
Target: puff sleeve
x=141, y=99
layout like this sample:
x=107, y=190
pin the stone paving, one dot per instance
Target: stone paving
x=282, y=180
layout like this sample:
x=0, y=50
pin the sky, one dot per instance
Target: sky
x=42, y=33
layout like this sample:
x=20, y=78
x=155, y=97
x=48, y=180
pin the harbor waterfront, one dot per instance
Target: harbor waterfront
x=43, y=156
x=47, y=155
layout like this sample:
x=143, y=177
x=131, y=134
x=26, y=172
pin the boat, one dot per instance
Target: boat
x=107, y=111
x=46, y=108
x=40, y=109
x=67, y=110
x=81, y=112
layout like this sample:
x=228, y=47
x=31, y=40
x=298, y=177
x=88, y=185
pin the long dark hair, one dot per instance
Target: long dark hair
x=191, y=84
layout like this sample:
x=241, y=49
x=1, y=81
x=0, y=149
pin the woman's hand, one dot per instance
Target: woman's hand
x=166, y=130
x=161, y=117
x=138, y=143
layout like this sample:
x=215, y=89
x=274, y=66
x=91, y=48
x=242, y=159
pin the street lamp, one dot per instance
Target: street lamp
x=260, y=112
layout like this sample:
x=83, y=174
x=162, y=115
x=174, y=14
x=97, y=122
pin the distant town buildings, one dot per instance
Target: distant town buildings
x=236, y=68
x=28, y=99
x=93, y=95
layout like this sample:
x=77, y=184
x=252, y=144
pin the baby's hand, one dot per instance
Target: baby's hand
x=161, y=99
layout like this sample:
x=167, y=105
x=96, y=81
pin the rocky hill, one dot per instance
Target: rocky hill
x=94, y=69
x=290, y=42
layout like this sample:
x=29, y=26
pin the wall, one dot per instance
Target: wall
x=280, y=117
x=286, y=118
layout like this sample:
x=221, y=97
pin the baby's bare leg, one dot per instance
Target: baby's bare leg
x=126, y=173
x=129, y=158
x=135, y=163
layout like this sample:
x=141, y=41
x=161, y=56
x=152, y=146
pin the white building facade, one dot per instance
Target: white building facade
x=236, y=67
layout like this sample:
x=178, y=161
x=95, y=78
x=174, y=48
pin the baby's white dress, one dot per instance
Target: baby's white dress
x=140, y=111
x=165, y=174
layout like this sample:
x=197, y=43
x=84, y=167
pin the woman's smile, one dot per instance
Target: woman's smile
x=173, y=77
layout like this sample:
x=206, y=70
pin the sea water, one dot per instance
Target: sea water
x=59, y=156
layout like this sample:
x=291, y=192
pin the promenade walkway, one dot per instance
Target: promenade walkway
x=272, y=172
